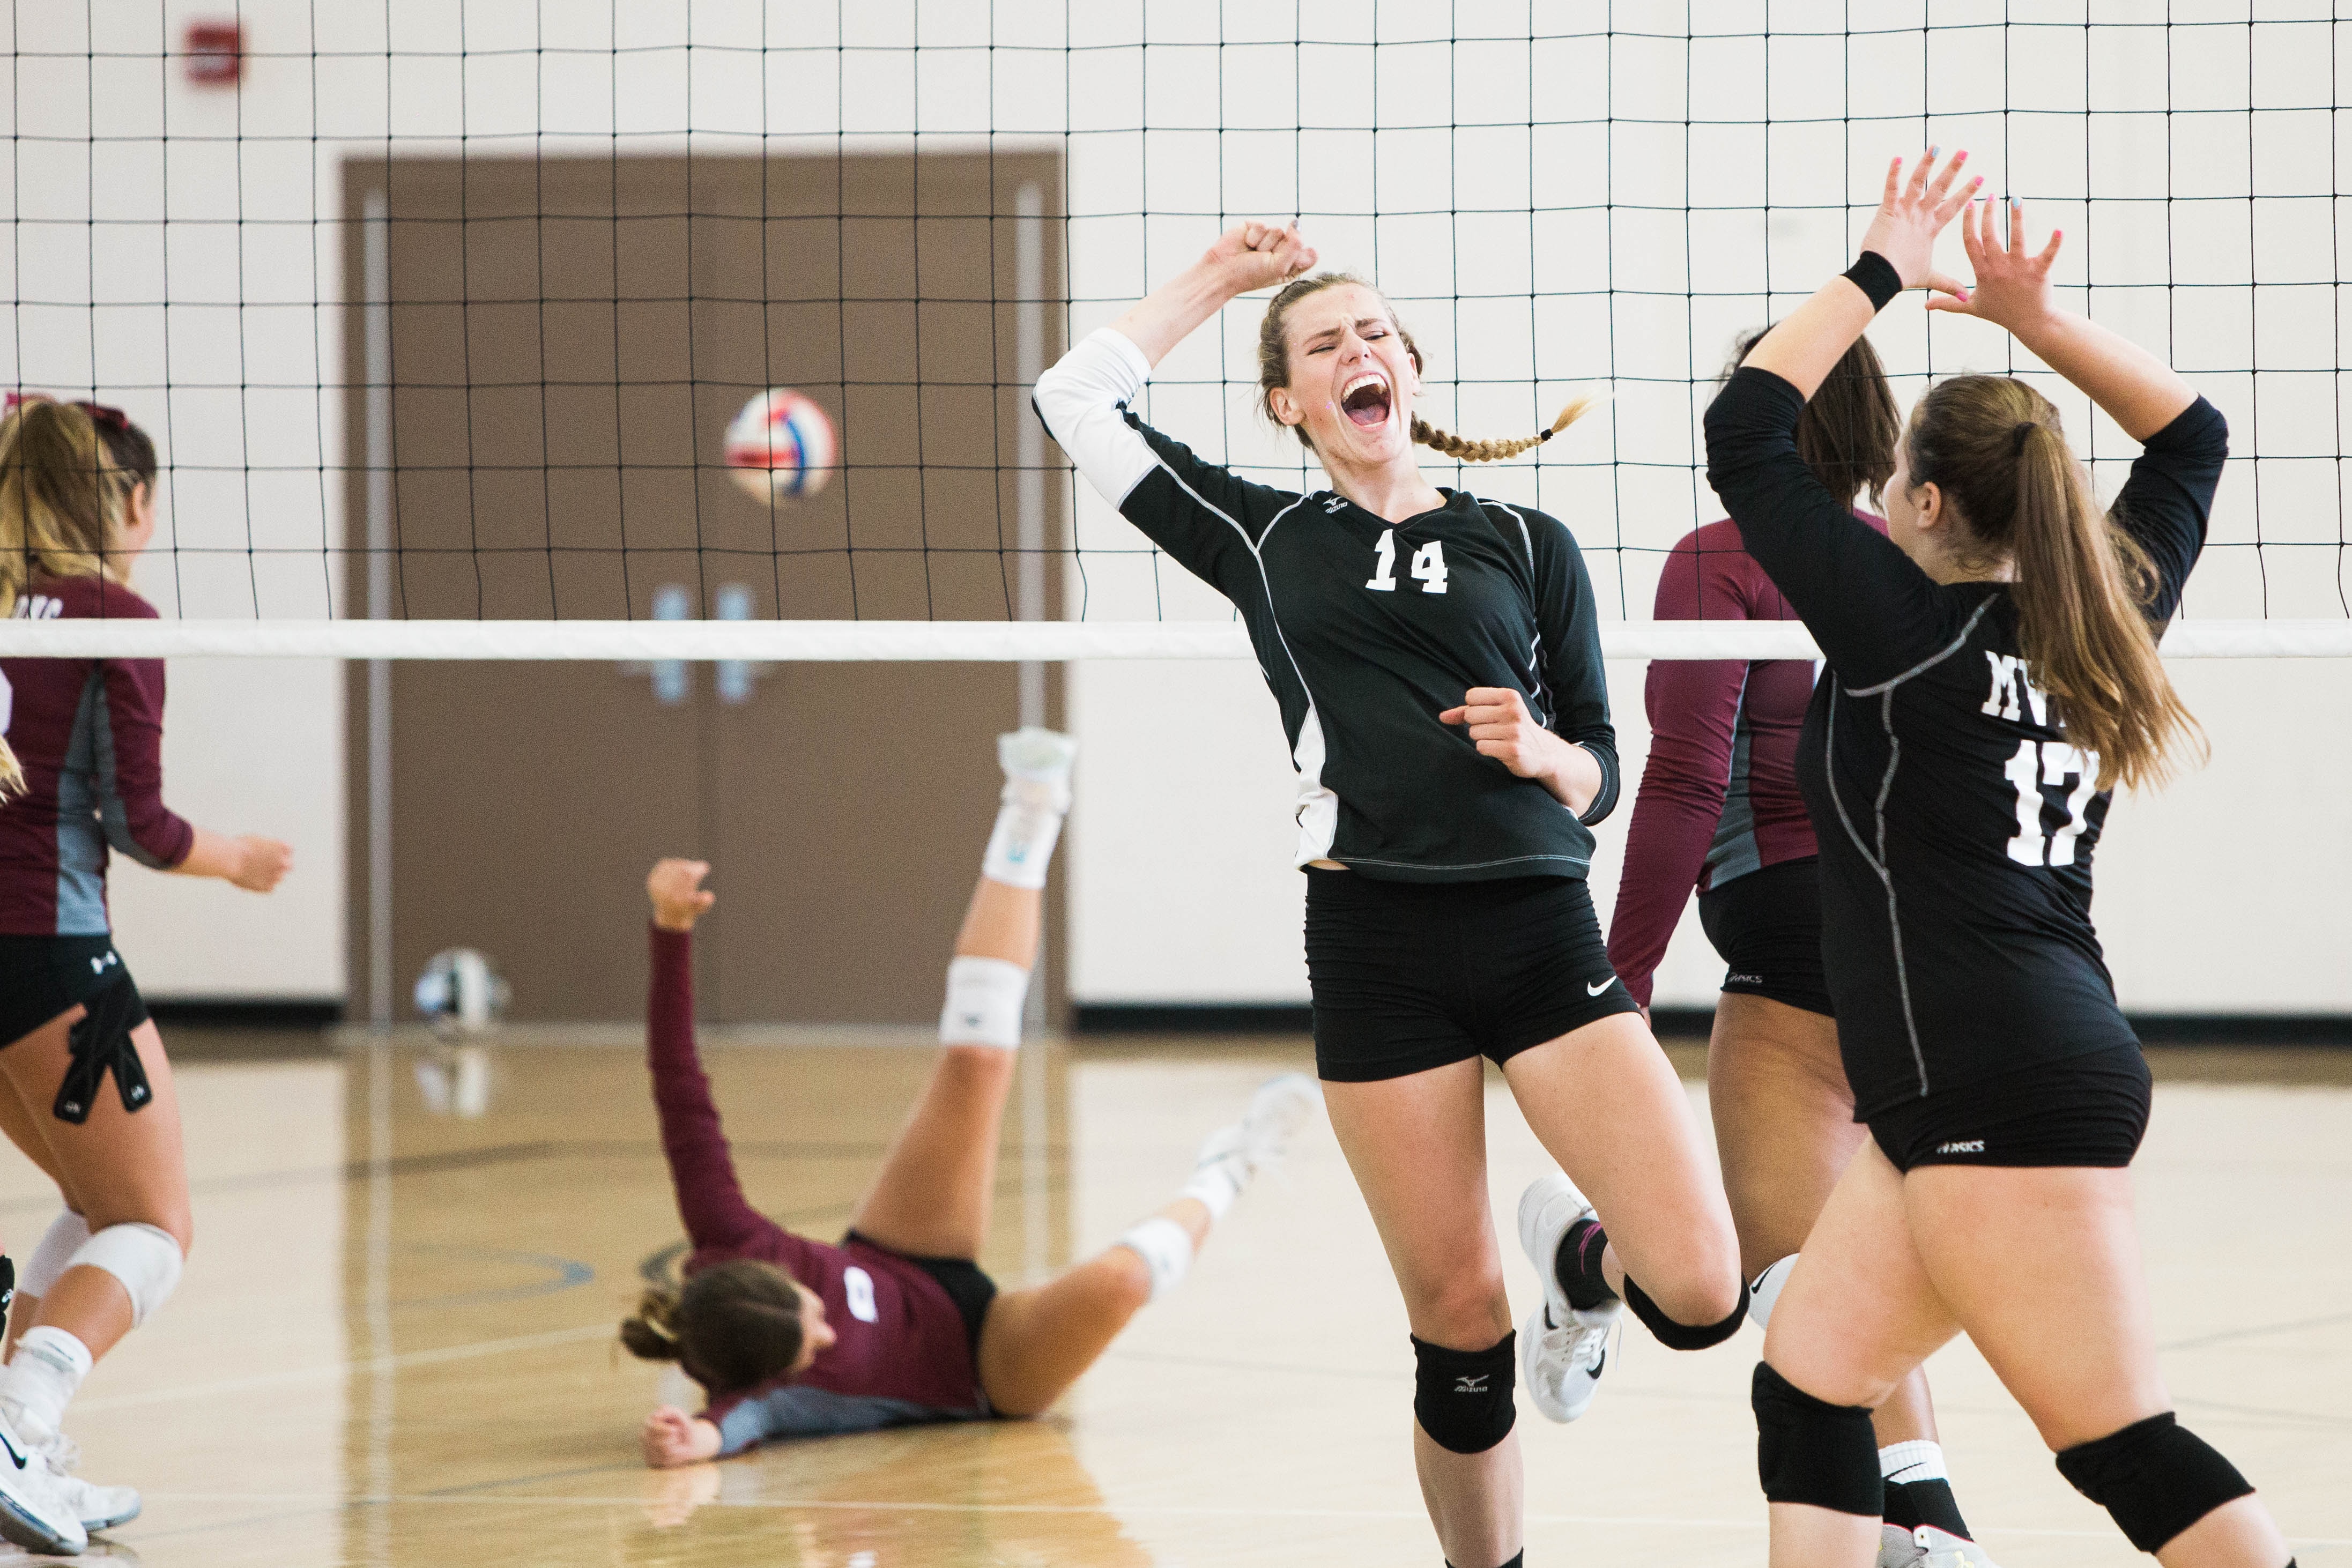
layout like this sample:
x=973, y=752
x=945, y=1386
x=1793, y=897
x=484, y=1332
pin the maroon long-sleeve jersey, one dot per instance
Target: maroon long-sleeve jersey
x=89, y=734
x=902, y=1355
x=1718, y=796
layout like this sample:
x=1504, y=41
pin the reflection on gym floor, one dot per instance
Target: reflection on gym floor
x=394, y=1342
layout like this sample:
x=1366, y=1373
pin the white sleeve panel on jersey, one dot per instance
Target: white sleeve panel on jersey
x=1080, y=401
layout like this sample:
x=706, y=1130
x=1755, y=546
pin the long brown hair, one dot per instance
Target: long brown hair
x=1274, y=370
x=1996, y=448
x=1848, y=431
x=733, y=1326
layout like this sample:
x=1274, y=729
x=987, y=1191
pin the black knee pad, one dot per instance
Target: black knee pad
x=2156, y=1477
x=1682, y=1336
x=1462, y=1398
x=1813, y=1452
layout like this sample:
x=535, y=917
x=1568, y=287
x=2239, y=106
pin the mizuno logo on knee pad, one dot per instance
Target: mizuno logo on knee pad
x=1462, y=1398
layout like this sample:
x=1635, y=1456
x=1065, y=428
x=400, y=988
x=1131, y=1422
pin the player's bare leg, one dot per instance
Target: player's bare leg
x=1036, y=1342
x=1418, y=1147
x=1784, y=1131
x=938, y=1183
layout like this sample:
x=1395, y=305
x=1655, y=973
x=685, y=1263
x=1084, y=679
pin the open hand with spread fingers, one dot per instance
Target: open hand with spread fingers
x=2012, y=287
x=1912, y=213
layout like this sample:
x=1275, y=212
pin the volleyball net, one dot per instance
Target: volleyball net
x=448, y=322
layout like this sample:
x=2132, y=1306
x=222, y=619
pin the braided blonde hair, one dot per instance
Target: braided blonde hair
x=1274, y=370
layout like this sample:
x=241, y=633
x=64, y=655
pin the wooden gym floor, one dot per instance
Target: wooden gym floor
x=394, y=1343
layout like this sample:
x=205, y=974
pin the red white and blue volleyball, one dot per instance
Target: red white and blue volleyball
x=780, y=448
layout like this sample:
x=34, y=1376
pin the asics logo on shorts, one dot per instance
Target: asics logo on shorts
x=1477, y=1384
x=1592, y=990
x=1972, y=1146
x=1744, y=980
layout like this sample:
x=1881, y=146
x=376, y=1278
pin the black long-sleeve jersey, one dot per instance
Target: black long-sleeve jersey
x=1956, y=820
x=1366, y=631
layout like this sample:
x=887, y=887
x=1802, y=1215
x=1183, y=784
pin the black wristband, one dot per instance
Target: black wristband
x=1875, y=276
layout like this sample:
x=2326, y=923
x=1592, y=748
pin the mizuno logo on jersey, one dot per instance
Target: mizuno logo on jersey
x=1972, y=1146
x=1335, y=504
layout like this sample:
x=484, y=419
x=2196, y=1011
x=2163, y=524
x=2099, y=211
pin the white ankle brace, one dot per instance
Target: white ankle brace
x=42, y=1378
x=53, y=1255
x=984, y=1001
x=1020, y=846
x=1165, y=1248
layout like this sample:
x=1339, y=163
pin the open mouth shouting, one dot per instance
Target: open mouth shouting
x=1366, y=400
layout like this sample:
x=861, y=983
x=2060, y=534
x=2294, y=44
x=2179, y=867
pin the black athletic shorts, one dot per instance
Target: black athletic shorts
x=41, y=977
x=1408, y=976
x=2083, y=1110
x=1767, y=927
x=971, y=1290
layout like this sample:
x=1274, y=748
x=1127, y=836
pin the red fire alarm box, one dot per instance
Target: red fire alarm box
x=215, y=52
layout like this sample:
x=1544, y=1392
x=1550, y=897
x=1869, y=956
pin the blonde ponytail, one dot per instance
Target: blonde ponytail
x=1455, y=446
x=2083, y=585
x=1274, y=370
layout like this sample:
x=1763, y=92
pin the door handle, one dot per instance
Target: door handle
x=673, y=679
x=735, y=675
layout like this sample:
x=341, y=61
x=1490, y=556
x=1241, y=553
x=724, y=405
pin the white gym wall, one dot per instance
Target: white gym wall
x=2219, y=895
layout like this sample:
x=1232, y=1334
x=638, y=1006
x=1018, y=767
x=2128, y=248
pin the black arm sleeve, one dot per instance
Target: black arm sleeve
x=2166, y=502
x=1568, y=656
x=1873, y=611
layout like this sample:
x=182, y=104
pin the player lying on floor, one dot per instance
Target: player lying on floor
x=791, y=1337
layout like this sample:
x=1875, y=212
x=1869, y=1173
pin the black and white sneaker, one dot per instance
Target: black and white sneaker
x=1562, y=1350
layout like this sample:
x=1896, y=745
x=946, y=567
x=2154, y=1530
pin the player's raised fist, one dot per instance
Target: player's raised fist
x=679, y=897
x=1256, y=255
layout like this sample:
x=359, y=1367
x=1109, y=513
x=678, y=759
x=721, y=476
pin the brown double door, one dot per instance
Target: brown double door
x=567, y=342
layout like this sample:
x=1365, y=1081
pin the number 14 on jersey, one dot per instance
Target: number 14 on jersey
x=1428, y=565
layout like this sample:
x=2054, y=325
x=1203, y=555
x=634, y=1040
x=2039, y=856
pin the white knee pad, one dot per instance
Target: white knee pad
x=1165, y=1248
x=53, y=1254
x=984, y=1001
x=143, y=1257
x=1766, y=1290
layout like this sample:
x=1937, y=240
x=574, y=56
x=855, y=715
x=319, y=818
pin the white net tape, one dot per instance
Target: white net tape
x=839, y=641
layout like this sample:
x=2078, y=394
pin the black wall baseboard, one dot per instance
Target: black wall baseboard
x=1685, y=1023
x=243, y=1012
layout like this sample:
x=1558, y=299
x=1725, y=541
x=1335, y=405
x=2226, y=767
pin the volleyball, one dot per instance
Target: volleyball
x=781, y=446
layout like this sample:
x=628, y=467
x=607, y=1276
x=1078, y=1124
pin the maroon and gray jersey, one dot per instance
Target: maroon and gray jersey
x=1718, y=797
x=902, y=1355
x=89, y=734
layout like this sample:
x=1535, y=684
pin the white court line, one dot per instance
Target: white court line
x=1640, y=1521
x=345, y=1368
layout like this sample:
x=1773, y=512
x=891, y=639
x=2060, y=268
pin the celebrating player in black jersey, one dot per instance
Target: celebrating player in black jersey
x=1993, y=673
x=1438, y=668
